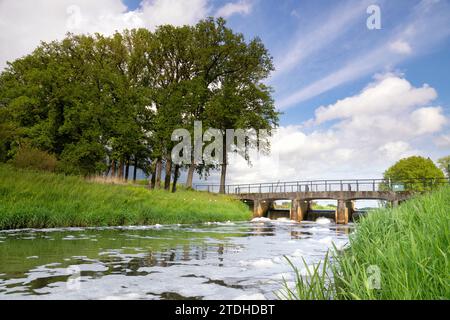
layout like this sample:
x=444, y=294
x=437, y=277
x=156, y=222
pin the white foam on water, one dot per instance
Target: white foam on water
x=283, y=276
x=249, y=263
x=317, y=229
x=298, y=253
x=261, y=263
x=279, y=259
x=254, y=296
x=327, y=240
x=227, y=223
x=323, y=220
x=261, y=219
x=128, y=296
x=285, y=220
x=90, y=267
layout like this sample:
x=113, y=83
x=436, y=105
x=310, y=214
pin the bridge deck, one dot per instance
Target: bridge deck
x=329, y=195
x=301, y=193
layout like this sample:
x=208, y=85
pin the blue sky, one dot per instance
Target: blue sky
x=280, y=23
x=354, y=100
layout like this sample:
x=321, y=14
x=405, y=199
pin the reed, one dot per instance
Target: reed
x=398, y=253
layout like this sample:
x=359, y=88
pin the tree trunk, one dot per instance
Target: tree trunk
x=121, y=169
x=106, y=173
x=127, y=168
x=153, y=178
x=175, y=178
x=158, y=173
x=113, y=168
x=190, y=175
x=135, y=168
x=223, y=172
x=168, y=174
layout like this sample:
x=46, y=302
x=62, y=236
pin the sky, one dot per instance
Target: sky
x=354, y=99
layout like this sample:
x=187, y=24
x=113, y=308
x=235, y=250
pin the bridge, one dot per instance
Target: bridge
x=261, y=196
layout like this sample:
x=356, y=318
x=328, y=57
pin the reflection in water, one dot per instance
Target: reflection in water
x=300, y=234
x=343, y=229
x=213, y=261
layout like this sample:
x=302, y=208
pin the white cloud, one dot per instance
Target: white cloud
x=388, y=120
x=426, y=27
x=243, y=7
x=443, y=141
x=295, y=13
x=392, y=94
x=401, y=47
x=176, y=12
x=428, y=120
x=23, y=24
x=394, y=150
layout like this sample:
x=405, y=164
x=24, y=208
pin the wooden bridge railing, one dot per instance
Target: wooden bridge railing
x=419, y=184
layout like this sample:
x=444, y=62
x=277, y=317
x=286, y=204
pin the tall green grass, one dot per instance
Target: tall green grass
x=399, y=253
x=30, y=199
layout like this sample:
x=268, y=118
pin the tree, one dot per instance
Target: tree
x=232, y=71
x=99, y=103
x=170, y=73
x=444, y=164
x=415, y=173
x=79, y=99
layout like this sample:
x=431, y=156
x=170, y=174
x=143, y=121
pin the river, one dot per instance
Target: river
x=231, y=260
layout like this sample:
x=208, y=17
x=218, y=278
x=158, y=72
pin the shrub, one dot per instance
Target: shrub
x=32, y=158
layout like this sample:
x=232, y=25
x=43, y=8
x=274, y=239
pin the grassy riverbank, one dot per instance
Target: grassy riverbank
x=30, y=199
x=399, y=253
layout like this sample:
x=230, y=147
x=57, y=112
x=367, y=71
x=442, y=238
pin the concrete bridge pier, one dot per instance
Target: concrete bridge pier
x=260, y=208
x=299, y=210
x=294, y=210
x=342, y=211
x=350, y=209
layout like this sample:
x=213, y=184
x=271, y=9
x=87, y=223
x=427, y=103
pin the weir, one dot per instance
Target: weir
x=302, y=210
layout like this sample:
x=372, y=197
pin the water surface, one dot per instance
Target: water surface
x=241, y=260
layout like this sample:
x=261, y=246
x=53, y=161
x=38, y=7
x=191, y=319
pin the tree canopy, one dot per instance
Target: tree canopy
x=444, y=164
x=415, y=171
x=98, y=103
